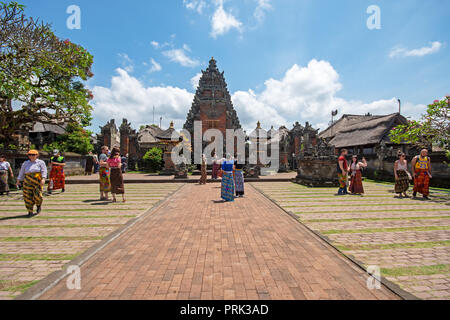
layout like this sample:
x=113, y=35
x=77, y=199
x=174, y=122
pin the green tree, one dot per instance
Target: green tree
x=153, y=159
x=76, y=139
x=42, y=72
x=432, y=129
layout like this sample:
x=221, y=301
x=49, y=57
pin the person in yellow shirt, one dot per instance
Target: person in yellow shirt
x=421, y=167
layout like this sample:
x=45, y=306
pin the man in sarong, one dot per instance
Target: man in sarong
x=32, y=177
x=57, y=176
x=342, y=169
x=421, y=166
x=89, y=164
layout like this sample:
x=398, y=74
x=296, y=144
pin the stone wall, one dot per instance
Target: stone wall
x=317, y=172
x=75, y=163
x=384, y=169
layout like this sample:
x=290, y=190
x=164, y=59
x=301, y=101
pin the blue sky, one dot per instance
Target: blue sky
x=284, y=60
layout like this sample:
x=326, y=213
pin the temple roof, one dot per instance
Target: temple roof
x=366, y=131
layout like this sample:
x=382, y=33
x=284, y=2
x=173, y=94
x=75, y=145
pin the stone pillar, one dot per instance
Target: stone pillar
x=284, y=161
x=125, y=133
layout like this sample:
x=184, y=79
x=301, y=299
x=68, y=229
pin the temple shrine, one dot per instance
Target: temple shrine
x=212, y=104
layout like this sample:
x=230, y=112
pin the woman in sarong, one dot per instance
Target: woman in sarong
x=115, y=165
x=227, y=190
x=402, y=176
x=57, y=176
x=32, y=177
x=215, y=167
x=204, y=176
x=239, y=178
x=356, y=186
x=105, y=183
x=5, y=171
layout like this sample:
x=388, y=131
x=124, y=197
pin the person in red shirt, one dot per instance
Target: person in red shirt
x=342, y=170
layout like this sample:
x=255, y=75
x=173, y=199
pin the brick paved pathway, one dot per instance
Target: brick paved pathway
x=194, y=247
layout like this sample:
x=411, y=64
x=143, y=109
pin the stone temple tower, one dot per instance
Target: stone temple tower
x=212, y=104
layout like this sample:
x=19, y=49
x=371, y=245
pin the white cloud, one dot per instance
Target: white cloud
x=126, y=62
x=262, y=7
x=155, y=66
x=403, y=52
x=155, y=44
x=180, y=56
x=307, y=93
x=222, y=21
x=195, y=80
x=196, y=5
x=129, y=98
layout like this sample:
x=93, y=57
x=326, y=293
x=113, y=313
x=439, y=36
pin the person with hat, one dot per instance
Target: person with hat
x=32, y=176
x=57, y=176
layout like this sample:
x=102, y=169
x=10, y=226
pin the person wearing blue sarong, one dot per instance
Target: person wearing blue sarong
x=227, y=190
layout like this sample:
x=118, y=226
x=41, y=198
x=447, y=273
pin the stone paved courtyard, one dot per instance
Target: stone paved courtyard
x=70, y=223
x=194, y=247
x=408, y=238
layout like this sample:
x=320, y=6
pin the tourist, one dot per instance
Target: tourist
x=32, y=177
x=421, y=166
x=342, y=169
x=96, y=164
x=115, y=166
x=89, y=164
x=239, y=178
x=227, y=190
x=124, y=161
x=356, y=185
x=215, y=167
x=5, y=171
x=105, y=184
x=57, y=176
x=402, y=176
x=204, y=176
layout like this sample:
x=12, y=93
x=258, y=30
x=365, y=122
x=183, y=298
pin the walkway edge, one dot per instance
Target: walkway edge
x=388, y=284
x=54, y=278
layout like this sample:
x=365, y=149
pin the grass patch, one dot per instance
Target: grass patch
x=375, y=219
x=64, y=238
x=59, y=226
x=83, y=217
x=32, y=256
x=416, y=271
x=76, y=210
x=376, y=230
x=369, y=211
x=406, y=245
x=16, y=286
x=344, y=205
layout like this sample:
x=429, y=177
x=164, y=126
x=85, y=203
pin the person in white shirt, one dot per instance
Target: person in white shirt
x=5, y=171
x=32, y=176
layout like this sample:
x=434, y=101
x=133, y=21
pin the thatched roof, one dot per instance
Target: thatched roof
x=343, y=123
x=40, y=127
x=149, y=134
x=352, y=131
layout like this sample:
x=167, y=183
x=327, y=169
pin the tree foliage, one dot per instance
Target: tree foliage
x=153, y=159
x=40, y=71
x=76, y=139
x=432, y=129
